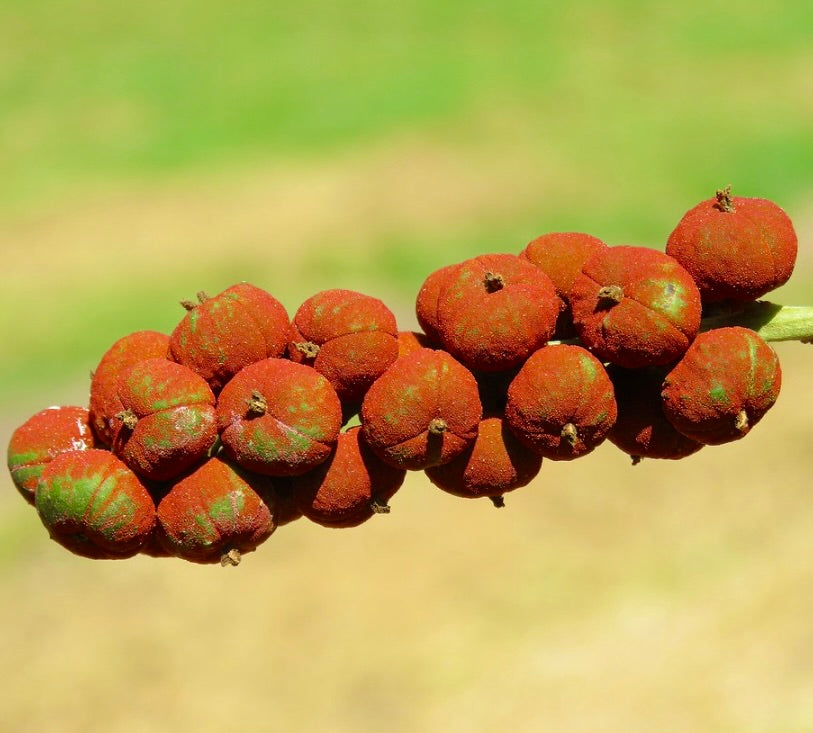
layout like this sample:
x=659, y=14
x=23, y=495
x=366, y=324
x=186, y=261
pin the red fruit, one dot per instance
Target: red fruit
x=423, y=411
x=561, y=402
x=279, y=418
x=43, y=437
x=221, y=335
x=348, y=488
x=426, y=304
x=215, y=514
x=723, y=385
x=734, y=247
x=168, y=422
x=495, y=310
x=493, y=465
x=93, y=505
x=635, y=307
x=104, y=384
x=348, y=337
x=409, y=341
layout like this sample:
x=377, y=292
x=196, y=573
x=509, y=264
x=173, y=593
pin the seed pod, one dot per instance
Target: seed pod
x=495, y=310
x=104, y=384
x=93, y=505
x=723, y=385
x=561, y=402
x=493, y=465
x=348, y=337
x=735, y=247
x=422, y=411
x=279, y=418
x=168, y=421
x=221, y=335
x=641, y=429
x=635, y=307
x=41, y=438
x=426, y=304
x=215, y=514
x=350, y=487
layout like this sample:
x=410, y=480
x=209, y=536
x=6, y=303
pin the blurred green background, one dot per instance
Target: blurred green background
x=151, y=150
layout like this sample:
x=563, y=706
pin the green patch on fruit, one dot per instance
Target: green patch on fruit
x=225, y=509
x=718, y=395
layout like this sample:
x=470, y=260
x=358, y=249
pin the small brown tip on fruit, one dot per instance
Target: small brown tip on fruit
x=438, y=426
x=493, y=282
x=741, y=421
x=636, y=460
x=379, y=508
x=129, y=418
x=189, y=305
x=570, y=434
x=724, y=200
x=257, y=404
x=232, y=557
x=497, y=501
x=613, y=293
x=308, y=348
x=202, y=296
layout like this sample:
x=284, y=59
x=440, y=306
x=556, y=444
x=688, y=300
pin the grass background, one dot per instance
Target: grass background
x=152, y=150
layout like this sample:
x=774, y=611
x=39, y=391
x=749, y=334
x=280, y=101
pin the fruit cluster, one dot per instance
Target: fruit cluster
x=200, y=443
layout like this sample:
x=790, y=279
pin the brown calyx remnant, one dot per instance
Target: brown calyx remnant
x=613, y=293
x=724, y=200
x=257, y=404
x=128, y=418
x=231, y=557
x=741, y=421
x=493, y=281
x=308, y=349
x=571, y=434
x=437, y=426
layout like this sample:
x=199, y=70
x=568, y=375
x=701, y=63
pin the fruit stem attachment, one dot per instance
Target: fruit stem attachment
x=437, y=426
x=232, y=557
x=129, y=418
x=570, y=434
x=741, y=422
x=379, y=508
x=257, y=404
x=493, y=282
x=724, y=200
x=613, y=293
x=307, y=348
x=497, y=501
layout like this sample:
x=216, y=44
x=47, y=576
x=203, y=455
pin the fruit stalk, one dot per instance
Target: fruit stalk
x=773, y=322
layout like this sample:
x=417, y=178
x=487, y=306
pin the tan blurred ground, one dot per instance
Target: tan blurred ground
x=665, y=597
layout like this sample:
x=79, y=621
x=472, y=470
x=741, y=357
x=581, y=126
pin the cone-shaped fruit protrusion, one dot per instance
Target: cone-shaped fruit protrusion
x=94, y=505
x=297, y=430
x=221, y=335
x=493, y=465
x=561, y=402
x=635, y=306
x=43, y=437
x=495, y=310
x=104, y=384
x=349, y=337
x=422, y=411
x=348, y=488
x=215, y=514
x=168, y=421
x=723, y=385
x=735, y=248
x=641, y=429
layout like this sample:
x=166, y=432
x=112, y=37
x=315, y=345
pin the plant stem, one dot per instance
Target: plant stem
x=773, y=322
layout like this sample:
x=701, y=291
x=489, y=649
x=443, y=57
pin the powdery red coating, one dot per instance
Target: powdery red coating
x=641, y=429
x=495, y=310
x=229, y=331
x=175, y=419
x=426, y=304
x=356, y=336
x=493, y=465
x=93, y=505
x=40, y=439
x=104, y=384
x=723, y=385
x=212, y=511
x=345, y=489
x=561, y=402
x=298, y=426
x=417, y=392
x=409, y=341
x=739, y=254
x=655, y=320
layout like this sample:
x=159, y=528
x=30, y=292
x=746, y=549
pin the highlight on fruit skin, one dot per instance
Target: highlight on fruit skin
x=92, y=504
x=40, y=439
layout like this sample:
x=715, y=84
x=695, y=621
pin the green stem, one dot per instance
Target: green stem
x=771, y=321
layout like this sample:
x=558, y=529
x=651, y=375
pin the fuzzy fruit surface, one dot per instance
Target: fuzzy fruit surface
x=422, y=411
x=495, y=310
x=221, y=335
x=727, y=380
x=561, y=402
x=345, y=490
x=493, y=465
x=735, y=248
x=104, y=384
x=354, y=337
x=426, y=304
x=279, y=418
x=409, y=341
x=641, y=429
x=43, y=437
x=216, y=509
x=635, y=306
x=94, y=505
x=168, y=422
